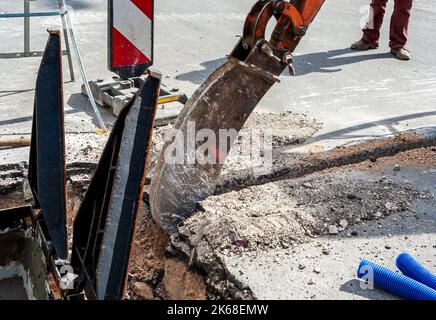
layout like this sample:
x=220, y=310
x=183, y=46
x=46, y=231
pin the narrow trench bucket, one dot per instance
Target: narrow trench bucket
x=219, y=107
x=189, y=166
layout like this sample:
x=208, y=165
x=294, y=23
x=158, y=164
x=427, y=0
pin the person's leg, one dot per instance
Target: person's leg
x=371, y=32
x=400, y=24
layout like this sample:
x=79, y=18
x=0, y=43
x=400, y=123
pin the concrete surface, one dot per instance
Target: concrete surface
x=356, y=95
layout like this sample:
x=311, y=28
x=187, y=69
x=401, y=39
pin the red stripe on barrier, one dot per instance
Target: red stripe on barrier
x=145, y=6
x=124, y=52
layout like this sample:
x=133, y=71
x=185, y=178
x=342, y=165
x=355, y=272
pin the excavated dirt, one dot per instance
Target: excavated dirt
x=11, y=179
x=421, y=157
x=181, y=283
x=85, y=147
x=287, y=213
x=417, y=158
x=147, y=263
x=249, y=213
x=254, y=146
x=152, y=274
x=285, y=128
x=286, y=165
x=405, y=139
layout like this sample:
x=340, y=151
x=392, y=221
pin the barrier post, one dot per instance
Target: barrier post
x=130, y=37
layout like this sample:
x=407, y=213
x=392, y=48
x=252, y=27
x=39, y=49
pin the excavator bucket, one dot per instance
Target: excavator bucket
x=224, y=102
x=191, y=161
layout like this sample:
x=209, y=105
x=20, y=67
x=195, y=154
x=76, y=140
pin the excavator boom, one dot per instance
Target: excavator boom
x=223, y=103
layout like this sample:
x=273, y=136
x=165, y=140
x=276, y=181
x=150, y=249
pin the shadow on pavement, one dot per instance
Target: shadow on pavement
x=7, y=93
x=321, y=62
x=330, y=61
x=80, y=103
x=354, y=287
x=75, y=4
x=199, y=76
x=388, y=123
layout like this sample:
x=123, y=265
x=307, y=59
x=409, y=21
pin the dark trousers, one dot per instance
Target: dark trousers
x=399, y=22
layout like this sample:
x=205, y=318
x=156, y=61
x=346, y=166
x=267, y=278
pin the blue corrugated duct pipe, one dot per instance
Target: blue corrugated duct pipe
x=412, y=269
x=395, y=283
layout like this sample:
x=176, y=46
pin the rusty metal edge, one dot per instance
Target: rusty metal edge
x=47, y=170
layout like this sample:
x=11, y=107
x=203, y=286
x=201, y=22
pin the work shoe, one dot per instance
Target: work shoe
x=401, y=53
x=362, y=45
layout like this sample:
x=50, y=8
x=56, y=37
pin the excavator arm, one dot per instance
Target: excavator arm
x=223, y=103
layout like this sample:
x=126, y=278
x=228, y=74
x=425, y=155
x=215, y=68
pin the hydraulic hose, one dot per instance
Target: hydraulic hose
x=413, y=269
x=395, y=283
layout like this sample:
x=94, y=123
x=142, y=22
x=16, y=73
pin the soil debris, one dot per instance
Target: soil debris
x=288, y=165
x=285, y=128
x=269, y=215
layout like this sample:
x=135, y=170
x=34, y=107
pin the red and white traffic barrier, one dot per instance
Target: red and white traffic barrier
x=130, y=36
